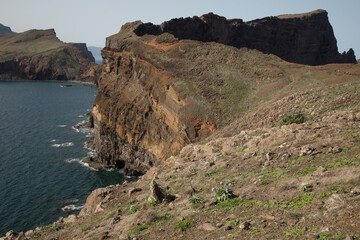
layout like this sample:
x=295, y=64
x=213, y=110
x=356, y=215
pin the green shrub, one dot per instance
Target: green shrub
x=196, y=199
x=224, y=192
x=133, y=209
x=297, y=118
x=184, y=224
x=297, y=232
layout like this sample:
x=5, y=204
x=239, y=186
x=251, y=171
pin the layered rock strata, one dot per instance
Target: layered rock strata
x=40, y=55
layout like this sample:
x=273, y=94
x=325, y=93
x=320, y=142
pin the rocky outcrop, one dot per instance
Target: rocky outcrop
x=300, y=38
x=40, y=55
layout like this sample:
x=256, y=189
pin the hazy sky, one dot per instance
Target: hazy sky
x=91, y=21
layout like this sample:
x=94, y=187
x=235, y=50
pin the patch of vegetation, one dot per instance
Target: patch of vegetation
x=296, y=215
x=265, y=182
x=339, y=236
x=185, y=224
x=233, y=222
x=192, y=171
x=213, y=172
x=53, y=227
x=139, y=228
x=324, y=236
x=331, y=191
x=297, y=118
x=231, y=204
x=357, y=139
x=196, y=200
x=234, y=92
x=307, y=170
x=299, y=201
x=224, y=192
x=133, y=209
x=132, y=201
x=151, y=202
x=343, y=162
x=256, y=231
x=297, y=232
x=85, y=229
x=242, y=148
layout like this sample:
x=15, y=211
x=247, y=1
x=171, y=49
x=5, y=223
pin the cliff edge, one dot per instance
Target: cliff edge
x=40, y=55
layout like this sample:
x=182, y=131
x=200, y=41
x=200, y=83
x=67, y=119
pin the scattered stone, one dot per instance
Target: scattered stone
x=355, y=191
x=334, y=202
x=207, y=227
x=320, y=171
x=219, y=225
x=306, y=150
x=29, y=233
x=348, y=237
x=228, y=228
x=269, y=156
x=267, y=216
x=116, y=219
x=245, y=226
x=156, y=192
x=335, y=149
x=70, y=219
x=104, y=236
x=133, y=190
x=124, y=237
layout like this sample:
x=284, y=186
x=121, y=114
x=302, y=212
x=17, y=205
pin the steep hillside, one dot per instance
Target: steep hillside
x=40, y=55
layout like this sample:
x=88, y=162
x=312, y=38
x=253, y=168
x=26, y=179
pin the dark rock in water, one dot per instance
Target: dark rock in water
x=90, y=161
x=301, y=38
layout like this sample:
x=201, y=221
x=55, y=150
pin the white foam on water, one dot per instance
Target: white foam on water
x=61, y=126
x=72, y=207
x=71, y=160
x=87, y=166
x=52, y=140
x=67, y=144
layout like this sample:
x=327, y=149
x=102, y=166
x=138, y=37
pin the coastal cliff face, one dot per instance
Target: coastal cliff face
x=300, y=38
x=163, y=87
x=40, y=55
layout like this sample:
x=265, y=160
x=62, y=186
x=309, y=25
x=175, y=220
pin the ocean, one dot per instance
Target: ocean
x=41, y=176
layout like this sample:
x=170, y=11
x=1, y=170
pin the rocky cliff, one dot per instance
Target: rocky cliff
x=163, y=87
x=300, y=38
x=40, y=55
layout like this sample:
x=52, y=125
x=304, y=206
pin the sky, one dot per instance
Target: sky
x=91, y=21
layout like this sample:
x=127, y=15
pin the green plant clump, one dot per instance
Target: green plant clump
x=224, y=192
x=297, y=118
x=196, y=199
x=133, y=209
x=184, y=224
x=297, y=232
x=299, y=201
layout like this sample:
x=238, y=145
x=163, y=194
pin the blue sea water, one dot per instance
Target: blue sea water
x=40, y=171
